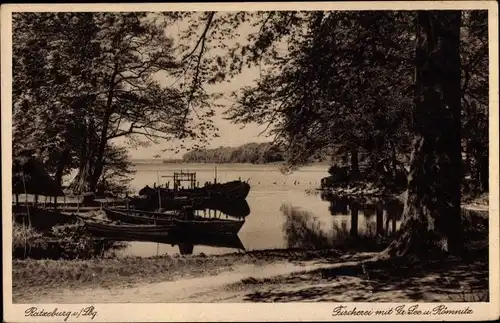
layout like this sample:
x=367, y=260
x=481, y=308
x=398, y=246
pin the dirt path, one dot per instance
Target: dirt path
x=200, y=289
x=353, y=278
x=173, y=291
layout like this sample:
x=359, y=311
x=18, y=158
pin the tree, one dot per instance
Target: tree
x=336, y=68
x=475, y=85
x=431, y=216
x=325, y=79
x=89, y=78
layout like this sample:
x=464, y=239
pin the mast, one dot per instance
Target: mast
x=159, y=190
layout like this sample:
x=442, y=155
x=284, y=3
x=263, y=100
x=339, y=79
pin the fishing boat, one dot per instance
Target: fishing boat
x=154, y=224
x=233, y=190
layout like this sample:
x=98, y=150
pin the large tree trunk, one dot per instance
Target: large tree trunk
x=80, y=182
x=431, y=217
x=99, y=160
x=103, y=139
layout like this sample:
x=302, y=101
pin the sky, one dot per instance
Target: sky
x=229, y=134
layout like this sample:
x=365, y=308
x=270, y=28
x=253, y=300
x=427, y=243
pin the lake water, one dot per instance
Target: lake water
x=282, y=214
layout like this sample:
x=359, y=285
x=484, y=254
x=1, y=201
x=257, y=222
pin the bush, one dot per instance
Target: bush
x=75, y=242
x=25, y=238
x=66, y=241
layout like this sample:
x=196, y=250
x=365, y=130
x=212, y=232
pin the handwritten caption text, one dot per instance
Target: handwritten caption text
x=89, y=312
x=442, y=310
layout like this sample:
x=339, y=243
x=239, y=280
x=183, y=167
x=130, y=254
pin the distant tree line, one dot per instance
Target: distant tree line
x=253, y=153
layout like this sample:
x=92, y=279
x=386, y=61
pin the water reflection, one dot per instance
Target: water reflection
x=352, y=220
x=303, y=230
x=187, y=242
x=338, y=205
x=394, y=211
x=389, y=209
x=236, y=209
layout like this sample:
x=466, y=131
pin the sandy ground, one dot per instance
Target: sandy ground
x=342, y=281
x=200, y=289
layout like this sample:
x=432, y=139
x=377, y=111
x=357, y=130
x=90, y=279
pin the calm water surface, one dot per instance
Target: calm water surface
x=279, y=206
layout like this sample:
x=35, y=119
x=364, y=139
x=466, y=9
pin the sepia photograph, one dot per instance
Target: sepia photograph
x=250, y=156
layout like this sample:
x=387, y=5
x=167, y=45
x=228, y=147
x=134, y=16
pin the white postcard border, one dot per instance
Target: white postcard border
x=246, y=311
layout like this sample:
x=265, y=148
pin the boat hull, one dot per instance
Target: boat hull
x=142, y=217
x=105, y=229
x=234, y=190
x=196, y=225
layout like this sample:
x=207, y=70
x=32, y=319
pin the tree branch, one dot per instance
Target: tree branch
x=203, y=35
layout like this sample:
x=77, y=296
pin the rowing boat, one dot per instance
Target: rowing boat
x=170, y=222
x=110, y=229
x=140, y=217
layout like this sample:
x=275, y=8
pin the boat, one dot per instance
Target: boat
x=234, y=190
x=101, y=228
x=154, y=224
x=150, y=202
x=141, y=217
x=237, y=208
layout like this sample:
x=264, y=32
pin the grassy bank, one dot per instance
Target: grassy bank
x=402, y=279
x=46, y=277
x=33, y=276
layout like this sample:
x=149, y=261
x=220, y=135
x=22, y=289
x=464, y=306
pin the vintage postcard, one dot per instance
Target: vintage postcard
x=250, y=161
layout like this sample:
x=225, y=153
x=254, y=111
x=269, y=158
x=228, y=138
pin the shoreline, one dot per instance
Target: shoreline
x=128, y=276
x=255, y=270
x=258, y=276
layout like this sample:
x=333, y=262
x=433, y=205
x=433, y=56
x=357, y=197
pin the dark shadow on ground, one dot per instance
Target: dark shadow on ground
x=438, y=280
